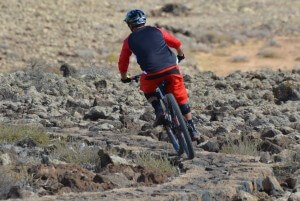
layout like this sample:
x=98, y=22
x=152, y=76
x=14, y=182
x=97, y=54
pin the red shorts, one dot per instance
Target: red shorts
x=175, y=83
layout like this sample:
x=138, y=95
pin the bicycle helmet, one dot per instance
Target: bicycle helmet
x=135, y=18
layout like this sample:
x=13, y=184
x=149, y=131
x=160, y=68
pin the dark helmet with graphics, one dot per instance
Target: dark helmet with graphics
x=135, y=18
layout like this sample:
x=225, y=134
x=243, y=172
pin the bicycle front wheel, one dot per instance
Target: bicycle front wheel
x=179, y=124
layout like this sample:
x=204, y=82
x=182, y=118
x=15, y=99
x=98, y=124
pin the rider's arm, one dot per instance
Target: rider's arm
x=124, y=59
x=179, y=52
x=172, y=41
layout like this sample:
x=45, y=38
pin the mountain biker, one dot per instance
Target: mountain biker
x=158, y=63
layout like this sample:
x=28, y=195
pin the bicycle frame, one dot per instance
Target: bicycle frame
x=161, y=90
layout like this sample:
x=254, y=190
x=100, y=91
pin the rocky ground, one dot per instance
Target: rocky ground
x=89, y=136
x=97, y=116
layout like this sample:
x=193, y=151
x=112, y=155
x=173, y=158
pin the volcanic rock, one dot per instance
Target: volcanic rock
x=210, y=146
x=271, y=186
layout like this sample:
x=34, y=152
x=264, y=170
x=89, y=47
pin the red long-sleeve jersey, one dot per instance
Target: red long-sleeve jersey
x=151, y=47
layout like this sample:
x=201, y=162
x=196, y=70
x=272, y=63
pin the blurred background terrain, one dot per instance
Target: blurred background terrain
x=222, y=36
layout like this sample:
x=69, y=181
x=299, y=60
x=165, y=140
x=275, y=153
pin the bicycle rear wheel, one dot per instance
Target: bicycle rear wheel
x=179, y=127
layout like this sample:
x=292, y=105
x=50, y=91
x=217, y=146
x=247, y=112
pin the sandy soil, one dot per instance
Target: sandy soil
x=285, y=55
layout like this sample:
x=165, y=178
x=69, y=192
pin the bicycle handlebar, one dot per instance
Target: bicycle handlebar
x=136, y=77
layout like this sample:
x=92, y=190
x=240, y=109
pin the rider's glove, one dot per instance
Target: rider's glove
x=180, y=57
x=127, y=80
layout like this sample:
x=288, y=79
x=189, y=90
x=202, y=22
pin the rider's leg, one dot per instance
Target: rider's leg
x=178, y=89
x=188, y=116
x=148, y=87
x=186, y=111
x=151, y=97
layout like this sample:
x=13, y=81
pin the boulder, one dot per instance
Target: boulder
x=272, y=186
x=106, y=126
x=285, y=156
x=294, y=197
x=101, y=84
x=265, y=157
x=287, y=90
x=269, y=133
x=210, y=146
x=98, y=112
x=293, y=182
x=106, y=159
x=286, y=130
x=148, y=116
x=175, y=9
x=296, y=157
x=26, y=142
x=244, y=196
x=5, y=159
x=67, y=177
x=268, y=146
x=14, y=193
x=67, y=70
x=206, y=196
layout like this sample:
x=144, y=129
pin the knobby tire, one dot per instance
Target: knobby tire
x=185, y=141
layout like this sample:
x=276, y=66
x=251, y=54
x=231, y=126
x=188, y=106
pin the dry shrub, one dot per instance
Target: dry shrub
x=272, y=43
x=13, y=133
x=41, y=65
x=244, y=146
x=220, y=53
x=160, y=163
x=215, y=38
x=239, y=59
x=77, y=153
x=267, y=53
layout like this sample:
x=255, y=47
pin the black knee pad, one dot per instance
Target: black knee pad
x=185, y=108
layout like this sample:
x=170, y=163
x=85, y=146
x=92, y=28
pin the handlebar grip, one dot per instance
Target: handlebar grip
x=135, y=77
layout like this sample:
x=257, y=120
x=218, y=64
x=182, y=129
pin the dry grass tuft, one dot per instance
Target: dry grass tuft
x=112, y=58
x=76, y=153
x=160, y=163
x=241, y=147
x=13, y=133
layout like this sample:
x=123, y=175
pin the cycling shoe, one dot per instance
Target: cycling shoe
x=159, y=120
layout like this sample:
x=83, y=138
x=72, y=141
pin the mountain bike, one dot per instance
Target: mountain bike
x=174, y=123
